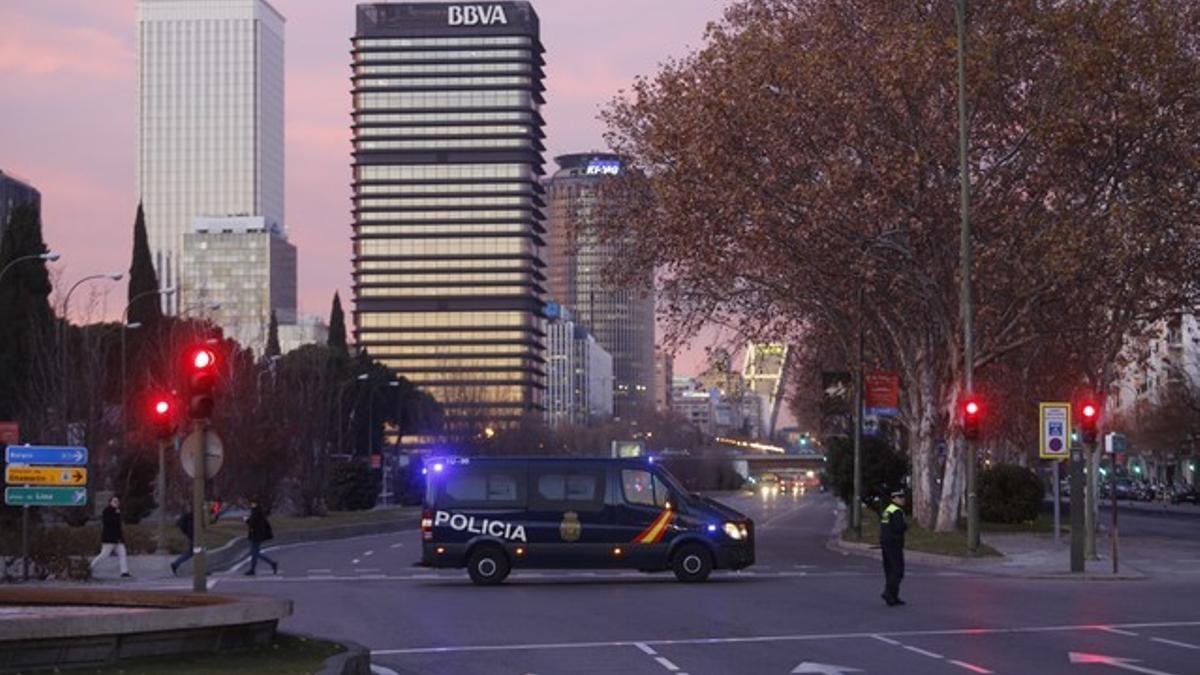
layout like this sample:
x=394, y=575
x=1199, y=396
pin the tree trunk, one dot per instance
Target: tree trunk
x=924, y=443
x=954, y=480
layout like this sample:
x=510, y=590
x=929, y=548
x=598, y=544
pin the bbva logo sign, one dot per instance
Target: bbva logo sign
x=474, y=15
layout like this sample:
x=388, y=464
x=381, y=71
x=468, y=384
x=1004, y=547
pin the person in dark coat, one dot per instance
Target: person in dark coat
x=185, y=525
x=111, y=537
x=258, y=530
x=891, y=539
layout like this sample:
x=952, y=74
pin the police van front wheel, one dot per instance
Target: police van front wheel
x=692, y=563
x=488, y=565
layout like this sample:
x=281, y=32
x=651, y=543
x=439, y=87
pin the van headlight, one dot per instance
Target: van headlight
x=734, y=532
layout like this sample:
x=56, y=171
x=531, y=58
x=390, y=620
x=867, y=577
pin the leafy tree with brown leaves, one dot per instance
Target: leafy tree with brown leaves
x=809, y=150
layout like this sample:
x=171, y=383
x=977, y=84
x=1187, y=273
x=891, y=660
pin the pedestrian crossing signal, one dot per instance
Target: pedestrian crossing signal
x=972, y=415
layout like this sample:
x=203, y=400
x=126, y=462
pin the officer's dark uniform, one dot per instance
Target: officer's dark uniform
x=891, y=539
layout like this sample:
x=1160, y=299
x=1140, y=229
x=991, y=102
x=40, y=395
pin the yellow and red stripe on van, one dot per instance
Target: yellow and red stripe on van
x=654, y=533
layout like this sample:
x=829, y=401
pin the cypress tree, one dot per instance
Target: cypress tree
x=272, y=337
x=337, y=325
x=26, y=320
x=143, y=279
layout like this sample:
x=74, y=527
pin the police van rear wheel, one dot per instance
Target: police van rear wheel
x=692, y=563
x=488, y=565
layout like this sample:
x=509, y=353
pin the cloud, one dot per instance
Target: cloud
x=32, y=48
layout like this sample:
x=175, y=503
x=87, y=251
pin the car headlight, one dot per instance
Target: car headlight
x=734, y=532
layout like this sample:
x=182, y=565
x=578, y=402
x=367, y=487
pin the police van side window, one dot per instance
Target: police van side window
x=567, y=489
x=638, y=487
x=483, y=487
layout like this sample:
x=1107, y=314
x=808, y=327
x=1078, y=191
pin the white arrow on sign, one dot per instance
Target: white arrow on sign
x=1114, y=661
x=823, y=669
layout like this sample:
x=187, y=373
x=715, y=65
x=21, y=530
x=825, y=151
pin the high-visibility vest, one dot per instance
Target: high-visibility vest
x=887, y=513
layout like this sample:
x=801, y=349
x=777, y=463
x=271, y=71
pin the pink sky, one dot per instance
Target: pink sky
x=68, y=122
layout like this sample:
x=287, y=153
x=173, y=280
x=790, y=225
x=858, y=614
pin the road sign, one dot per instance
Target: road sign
x=1114, y=443
x=16, y=474
x=1054, y=430
x=45, y=496
x=881, y=393
x=214, y=457
x=46, y=454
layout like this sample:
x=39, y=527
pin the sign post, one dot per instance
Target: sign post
x=1054, y=434
x=26, y=468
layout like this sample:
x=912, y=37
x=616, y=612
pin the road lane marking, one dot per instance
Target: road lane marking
x=383, y=670
x=1117, y=631
x=354, y=562
x=800, y=637
x=923, y=652
x=369, y=553
x=396, y=545
x=970, y=666
x=1175, y=643
x=887, y=640
x=666, y=663
x=645, y=648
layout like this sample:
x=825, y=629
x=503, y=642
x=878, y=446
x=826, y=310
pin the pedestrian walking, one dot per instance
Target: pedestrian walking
x=184, y=523
x=111, y=537
x=891, y=539
x=258, y=530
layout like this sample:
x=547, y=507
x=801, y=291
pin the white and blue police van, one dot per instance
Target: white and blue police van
x=492, y=515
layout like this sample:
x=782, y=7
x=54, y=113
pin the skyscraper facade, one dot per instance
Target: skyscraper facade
x=579, y=375
x=13, y=193
x=210, y=107
x=447, y=201
x=620, y=316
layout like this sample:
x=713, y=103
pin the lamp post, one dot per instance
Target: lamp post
x=338, y=412
x=62, y=337
x=125, y=324
x=960, y=14
x=49, y=256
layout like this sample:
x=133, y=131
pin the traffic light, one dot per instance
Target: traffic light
x=972, y=415
x=163, y=416
x=1089, y=415
x=200, y=372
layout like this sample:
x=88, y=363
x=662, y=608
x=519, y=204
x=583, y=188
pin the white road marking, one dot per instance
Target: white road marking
x=645, y=648
x=354, y=562
x=970, y=666
x=383, y=670
x=800, y=637
x=397, y=545
x=1175, y=643
x=320, y=570
x=666, y=663
x=1117, y=631
x=369, y=553
x=923, y=652
x=887, y=640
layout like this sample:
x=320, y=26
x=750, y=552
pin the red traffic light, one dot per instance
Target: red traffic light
x=162, y=407
x=972, y=408
x=203, y=359
x=1089, y=411
x=972, y=412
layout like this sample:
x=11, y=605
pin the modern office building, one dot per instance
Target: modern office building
x=579, y=373
x=210, y=109
x=765, y=372
x=447, y=202
x=236, y=271
x=13, y=193
x=664, y=375
x=621, y=317
x=307, y=330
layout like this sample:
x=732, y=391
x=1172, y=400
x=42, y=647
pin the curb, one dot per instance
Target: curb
x=356, y=660
x=234, y=551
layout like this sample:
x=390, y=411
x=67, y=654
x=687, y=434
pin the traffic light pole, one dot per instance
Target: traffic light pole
x=960, y=13
x=199, y=573
x=160, y=491
x=1113, y=489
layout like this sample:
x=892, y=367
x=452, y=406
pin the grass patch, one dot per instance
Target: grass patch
x=1043, y=524
x=918, y=538
x=232, y=527
x=286, y=655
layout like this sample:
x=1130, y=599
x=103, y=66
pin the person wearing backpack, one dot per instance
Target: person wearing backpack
x=258, y=530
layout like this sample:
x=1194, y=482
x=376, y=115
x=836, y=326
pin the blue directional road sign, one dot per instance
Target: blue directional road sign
x=46, y=454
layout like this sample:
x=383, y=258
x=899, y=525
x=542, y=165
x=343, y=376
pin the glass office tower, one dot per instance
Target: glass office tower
x=447, y=202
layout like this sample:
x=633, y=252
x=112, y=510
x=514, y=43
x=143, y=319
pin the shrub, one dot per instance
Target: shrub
x=883, y=469
x=1009, y=494
x=353, y=486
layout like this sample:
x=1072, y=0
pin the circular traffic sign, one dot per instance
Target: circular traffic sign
x=214, y=454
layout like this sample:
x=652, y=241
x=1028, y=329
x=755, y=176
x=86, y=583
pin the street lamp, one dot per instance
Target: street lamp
x=48, y=256
x=62, y=335
x=168, y=290
x=338, y=412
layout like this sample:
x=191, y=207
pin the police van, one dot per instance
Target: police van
x=491, y=515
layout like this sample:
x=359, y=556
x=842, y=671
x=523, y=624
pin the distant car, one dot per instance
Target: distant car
x=1186, y=495
x=1124, y=488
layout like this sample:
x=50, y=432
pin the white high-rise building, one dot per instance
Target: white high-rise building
x=210, y=110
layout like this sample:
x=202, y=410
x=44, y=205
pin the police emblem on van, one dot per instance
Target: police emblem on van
x=570, y=528
x=495, y=528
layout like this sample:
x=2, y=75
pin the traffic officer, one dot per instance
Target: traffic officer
x=891, y=539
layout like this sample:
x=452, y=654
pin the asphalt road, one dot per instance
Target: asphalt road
x=801, y=609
